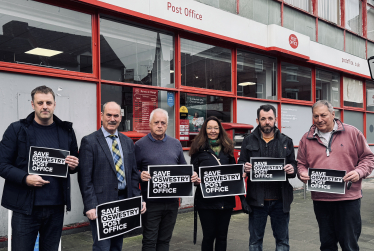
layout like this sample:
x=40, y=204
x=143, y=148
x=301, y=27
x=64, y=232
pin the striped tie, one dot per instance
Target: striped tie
x=117, y=159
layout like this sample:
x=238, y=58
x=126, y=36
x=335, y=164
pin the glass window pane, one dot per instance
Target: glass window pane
x=353, y=92
x=370, y=128
x=137, y=104
x=329, y=10
x=328, y=87
x=302, y=4
x=300, y=22
x=249, y=108
x=330, y=35
x=353, y=16
x=135, y=55
x=263, y=11
x=338, y=114
x=370, y=49
x=227, y=5
x=43, y=35
x=370, y=96
x=370, y=23
x=296, y=121
x=355, y=45
x=296, y=82
x=257, y=76
x=200, y=107
x=205, y=66
x=354, y=118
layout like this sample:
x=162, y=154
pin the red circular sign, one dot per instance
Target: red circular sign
x=294, y=42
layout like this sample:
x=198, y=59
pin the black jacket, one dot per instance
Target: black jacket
x=205, y=158
x=14, y=157
x=251, y=148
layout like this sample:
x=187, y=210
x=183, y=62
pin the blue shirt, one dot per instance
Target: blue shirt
x=109, y=141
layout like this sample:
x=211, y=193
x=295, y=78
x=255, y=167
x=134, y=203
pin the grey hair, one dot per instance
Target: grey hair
x=159, y=110
x=111, y=102
x=323, y=102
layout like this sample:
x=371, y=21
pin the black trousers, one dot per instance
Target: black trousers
x=338, y=221
x=215, y=225
x=158, y=225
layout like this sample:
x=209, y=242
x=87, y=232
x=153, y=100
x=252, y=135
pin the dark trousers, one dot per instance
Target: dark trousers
x=47, y=220
x=112, y=244
x=158, y=225
x=279, y=223
x=338, y=221
x=215, y=225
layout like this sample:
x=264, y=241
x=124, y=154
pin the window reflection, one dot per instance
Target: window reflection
x=205, y=66
x=38, y=34
x=296, y=82
x=135, y=55
x=328, y=87
x=353, y=92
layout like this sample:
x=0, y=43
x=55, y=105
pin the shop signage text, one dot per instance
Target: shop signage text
x=186, y=11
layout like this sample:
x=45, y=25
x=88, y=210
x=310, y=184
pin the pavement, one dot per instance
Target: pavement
x=303, y=229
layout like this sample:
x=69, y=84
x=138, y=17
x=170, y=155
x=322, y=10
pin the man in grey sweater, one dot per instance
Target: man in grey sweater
x=157, y=148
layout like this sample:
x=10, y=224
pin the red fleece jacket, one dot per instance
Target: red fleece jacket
x=349, y=151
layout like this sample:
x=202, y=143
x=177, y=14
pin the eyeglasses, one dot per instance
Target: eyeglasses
x=212, y=128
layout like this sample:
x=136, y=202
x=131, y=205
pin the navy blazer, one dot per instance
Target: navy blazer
x=97, y=175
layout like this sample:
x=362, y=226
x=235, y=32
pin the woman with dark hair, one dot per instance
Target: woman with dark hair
x=211, y=147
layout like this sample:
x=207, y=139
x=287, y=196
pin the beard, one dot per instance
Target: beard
x=267, y=128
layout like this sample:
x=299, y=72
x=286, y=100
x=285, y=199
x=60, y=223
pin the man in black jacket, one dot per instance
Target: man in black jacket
x=37, y=202
x=268, y=198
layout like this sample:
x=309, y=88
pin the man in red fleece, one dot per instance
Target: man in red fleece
x=331, y=144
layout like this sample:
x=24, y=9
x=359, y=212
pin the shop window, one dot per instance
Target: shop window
x=370, y=49
x=302, y=4
x=338, y=114
x=370, y=22
x=353, y=92
x=257, y=76
x=199, y=108
x=354, y=118
x=205, y=66
x=329, y=10
x=296, y=121
x=353, y=16
x=355, y=45
x=330, y=35
x=370, y=128
x=247, y=111
x=370, y=96
x=262, y=11
x=328, y=87
x=296, y=82
x=300, y=22
x=42, y=35
x=136, y=55
x=137, y=104
x=227, y=5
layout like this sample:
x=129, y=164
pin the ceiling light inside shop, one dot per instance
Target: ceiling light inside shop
x=171, y=71
x=43, y=52
x=247, y=83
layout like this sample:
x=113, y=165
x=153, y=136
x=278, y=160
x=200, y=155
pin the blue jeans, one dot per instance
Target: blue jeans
x=158, y=225
x=338, y=221
x=47, y=220
x=279, y=223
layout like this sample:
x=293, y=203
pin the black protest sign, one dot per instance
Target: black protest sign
x=326, y=180
x=48, y=161
x=223, y=180
x=170, y=181
x=267, y=169
x=118, y=217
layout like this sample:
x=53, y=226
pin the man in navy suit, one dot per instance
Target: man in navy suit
x=108, y=171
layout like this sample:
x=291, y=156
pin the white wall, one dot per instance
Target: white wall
x=81, y=110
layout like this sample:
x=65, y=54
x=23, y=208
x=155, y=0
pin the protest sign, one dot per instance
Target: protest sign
x=118, y=217
x=267, y=169
x=326, y=180
x=223, y=180
x=170, y=181
x=48, y=161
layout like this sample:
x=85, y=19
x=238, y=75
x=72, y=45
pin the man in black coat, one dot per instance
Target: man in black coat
x=37, y=203
x=268, y=198
x=107, y=174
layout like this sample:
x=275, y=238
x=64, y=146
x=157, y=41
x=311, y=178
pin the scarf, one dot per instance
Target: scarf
x=215, y=145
